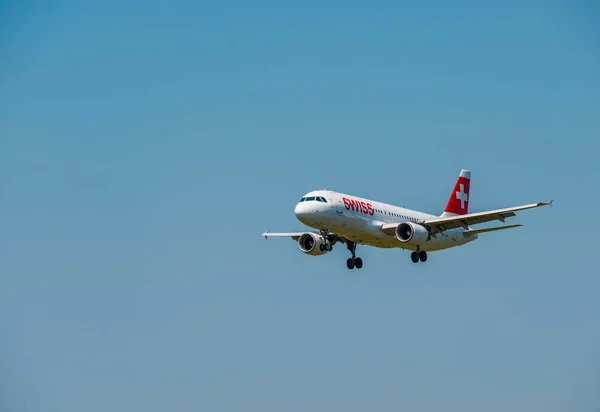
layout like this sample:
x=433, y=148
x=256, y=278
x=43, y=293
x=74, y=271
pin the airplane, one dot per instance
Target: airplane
x=352, y=220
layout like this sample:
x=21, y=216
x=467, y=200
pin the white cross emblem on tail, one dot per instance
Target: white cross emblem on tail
x=462, y=196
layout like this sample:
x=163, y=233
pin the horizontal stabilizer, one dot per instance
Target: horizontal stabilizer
x=489, y=229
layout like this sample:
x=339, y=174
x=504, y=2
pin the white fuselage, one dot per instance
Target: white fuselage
x=360, y=220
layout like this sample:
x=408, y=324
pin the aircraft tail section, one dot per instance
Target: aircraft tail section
x=458, y=203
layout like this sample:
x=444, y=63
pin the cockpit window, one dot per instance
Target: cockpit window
x=314, y=199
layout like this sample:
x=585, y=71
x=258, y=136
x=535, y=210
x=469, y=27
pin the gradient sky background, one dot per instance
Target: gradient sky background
x=144, y=147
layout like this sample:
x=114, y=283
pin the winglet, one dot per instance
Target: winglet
x=265, y=234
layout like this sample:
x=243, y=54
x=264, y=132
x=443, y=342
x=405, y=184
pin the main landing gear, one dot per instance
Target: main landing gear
x=418, y=255
x=353, y=262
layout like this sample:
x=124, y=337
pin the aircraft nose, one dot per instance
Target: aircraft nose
x=304, y=212
x=300, y=211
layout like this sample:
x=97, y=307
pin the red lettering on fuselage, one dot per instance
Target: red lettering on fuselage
x=357, y=206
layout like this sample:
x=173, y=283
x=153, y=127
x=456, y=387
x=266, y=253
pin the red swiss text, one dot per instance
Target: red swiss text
x=357, y=206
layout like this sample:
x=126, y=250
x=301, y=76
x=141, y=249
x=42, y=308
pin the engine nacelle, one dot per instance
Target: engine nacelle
x=412, y=233
x=312, y=244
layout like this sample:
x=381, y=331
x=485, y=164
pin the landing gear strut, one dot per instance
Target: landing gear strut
x=418, y=255
x=353, y=262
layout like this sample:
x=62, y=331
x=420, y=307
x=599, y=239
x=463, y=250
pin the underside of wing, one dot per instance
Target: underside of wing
x=389, y=228
x=452, y=222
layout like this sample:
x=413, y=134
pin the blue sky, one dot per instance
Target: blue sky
x=144, y=148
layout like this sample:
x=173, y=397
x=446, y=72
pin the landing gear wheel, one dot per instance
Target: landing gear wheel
x=423, y=256
x=350, y=263
x=324, y=247
x=414, y=257
x=358, y=263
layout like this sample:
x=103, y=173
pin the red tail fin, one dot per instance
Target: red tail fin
x=458, y=204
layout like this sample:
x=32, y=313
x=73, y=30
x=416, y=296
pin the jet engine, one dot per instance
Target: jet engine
x=313, y=244
x=412, y=233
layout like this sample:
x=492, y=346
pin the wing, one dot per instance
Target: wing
x=442, y=224
x=293, y=235
x=332, y=237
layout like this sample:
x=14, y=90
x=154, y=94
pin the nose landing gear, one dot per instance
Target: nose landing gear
x=325, y=247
